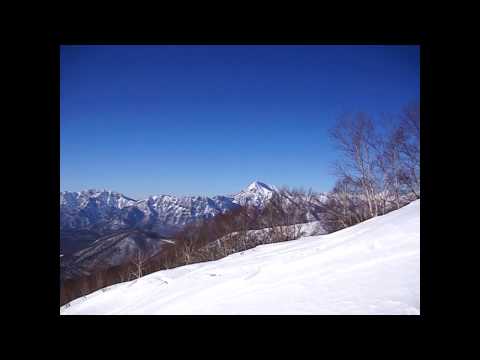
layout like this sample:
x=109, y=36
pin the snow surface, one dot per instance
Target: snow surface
x=305, y=229
x=370, y=268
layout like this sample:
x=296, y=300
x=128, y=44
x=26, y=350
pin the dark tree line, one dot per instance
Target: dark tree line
x=279, y=220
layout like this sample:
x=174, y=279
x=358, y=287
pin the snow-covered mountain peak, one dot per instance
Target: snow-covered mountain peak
x=258, y=186
x=256, y=194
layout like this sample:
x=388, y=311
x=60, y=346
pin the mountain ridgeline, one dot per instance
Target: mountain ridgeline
x=89, y=215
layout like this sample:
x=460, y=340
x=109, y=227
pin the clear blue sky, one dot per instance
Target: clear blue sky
x=209, y=120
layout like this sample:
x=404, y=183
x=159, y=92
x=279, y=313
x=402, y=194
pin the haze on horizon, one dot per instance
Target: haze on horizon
x=209, y=120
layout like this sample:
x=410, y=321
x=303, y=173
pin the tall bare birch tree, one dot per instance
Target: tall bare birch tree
x=355, y=138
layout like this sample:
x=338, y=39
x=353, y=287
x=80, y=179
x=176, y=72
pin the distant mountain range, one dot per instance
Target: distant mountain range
x=87, y=215
x=100, y=228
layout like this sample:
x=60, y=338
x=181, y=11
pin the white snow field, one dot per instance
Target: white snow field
x=370, y=268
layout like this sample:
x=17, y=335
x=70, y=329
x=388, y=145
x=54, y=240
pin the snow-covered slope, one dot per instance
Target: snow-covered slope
x=261, y=236
x=110, y=250
x=369, y=268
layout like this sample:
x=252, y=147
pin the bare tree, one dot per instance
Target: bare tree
x=187, y=248
x=355, y=138
x=392, y=165
x=138, y=263
x=296, y=209
x=410, y=147
x=344, y=205
x=375, y=172
x=244, y=227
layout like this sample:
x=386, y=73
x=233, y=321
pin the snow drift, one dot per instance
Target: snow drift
x=369, y=268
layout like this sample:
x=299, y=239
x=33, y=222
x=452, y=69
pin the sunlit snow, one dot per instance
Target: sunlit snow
x=370, y=268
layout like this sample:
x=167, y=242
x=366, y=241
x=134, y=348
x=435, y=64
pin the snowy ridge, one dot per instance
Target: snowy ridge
x=260, y=235
x=103, y=198
x=103, y=211
x=109, y=251
x=370, y=268
x=84, y=209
